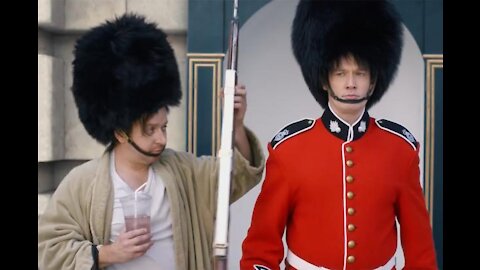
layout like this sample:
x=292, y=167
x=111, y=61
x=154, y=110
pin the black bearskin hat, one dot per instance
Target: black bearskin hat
x=123, y=69
x=325, y=30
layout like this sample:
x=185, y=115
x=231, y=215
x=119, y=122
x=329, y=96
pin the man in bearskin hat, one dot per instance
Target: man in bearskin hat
x=125, y=79
x=338, y=183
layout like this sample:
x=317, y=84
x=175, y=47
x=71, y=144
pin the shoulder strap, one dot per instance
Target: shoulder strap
x=291, y=130
x=398, y=130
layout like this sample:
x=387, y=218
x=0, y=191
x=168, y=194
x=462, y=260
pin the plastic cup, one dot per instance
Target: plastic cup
x=136, y=210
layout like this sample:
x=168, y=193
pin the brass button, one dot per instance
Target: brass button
x=351, y=259
x=351, y=227
x=349, y=179
x=348, y=149
x=351, y=211
x=351, y=244
x=349, y=163
x=350, y=195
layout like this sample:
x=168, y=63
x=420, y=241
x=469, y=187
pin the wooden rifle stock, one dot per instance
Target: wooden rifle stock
x=220, y=243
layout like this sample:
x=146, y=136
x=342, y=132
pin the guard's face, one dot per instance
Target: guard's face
x=152, y=136
x=349, y=81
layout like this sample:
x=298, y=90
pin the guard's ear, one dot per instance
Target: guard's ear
x=325, y=83
x=325, y=86
x=121, y=136
x=372, y=86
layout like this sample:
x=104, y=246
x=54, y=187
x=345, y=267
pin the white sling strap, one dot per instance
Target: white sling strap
x=301, y=264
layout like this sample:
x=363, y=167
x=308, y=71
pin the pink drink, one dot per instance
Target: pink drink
x=132, y=223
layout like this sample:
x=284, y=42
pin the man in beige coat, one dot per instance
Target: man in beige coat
x=125, y=78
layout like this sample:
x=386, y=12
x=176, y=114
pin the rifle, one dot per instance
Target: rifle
x=220, y=244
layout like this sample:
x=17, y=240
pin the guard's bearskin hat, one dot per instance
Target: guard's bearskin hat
x=325, y=30
x=123, y=69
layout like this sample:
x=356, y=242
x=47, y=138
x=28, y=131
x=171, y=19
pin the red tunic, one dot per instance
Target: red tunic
x=338, y=201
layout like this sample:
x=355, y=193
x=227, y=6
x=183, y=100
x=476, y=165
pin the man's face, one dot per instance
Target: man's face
x=152, y=136
x=349, y=81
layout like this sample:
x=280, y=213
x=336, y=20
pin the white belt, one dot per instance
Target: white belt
x=301, y=264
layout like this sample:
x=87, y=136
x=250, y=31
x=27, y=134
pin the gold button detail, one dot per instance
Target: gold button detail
x=349, y=179
x=349, y=163
x=351, y=244
x=350, y=195
x=348, y=149
x=351, y=227
x=351, y=211
x=351, y=259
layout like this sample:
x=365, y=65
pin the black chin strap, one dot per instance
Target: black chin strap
x=350, y=101
x=132, y=143
x=123, y=134
x=142, y=151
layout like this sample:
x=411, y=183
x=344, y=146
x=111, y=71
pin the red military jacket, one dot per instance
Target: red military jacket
x=337, y=190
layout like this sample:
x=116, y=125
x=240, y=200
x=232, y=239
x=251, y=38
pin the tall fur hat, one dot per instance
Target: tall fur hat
x=123, y=69
x=325, y=30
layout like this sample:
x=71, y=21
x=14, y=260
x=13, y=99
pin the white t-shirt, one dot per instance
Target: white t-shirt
x=161, y=255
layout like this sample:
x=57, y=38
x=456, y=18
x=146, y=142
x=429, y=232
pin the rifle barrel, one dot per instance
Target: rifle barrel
x=220, y=243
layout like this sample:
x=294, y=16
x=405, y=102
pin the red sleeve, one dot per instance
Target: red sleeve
x=415, y=230
x=263, y=246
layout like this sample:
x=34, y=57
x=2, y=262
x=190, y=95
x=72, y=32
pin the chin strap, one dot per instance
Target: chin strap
x=132, y=143
x=350, y=101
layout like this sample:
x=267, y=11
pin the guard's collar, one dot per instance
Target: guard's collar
x=342, y=129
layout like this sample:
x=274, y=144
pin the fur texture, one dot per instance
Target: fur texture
x=123, y=69
x=323, y=31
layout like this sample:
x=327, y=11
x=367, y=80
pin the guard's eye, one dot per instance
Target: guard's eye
x=362, y=73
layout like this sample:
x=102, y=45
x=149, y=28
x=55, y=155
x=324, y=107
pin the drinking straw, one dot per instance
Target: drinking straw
x=135, y=204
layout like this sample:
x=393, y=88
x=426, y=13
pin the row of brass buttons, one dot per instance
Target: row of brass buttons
x=350, y=210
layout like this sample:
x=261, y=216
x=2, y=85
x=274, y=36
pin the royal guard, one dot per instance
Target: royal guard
x=337, y=184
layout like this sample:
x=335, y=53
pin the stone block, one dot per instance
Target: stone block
x=81, y=15
x=50, y=108
x=45, y=177
x=45, y=43
x=51, y=14
x=171, y=15
x=177, y=129
x=62, y=168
